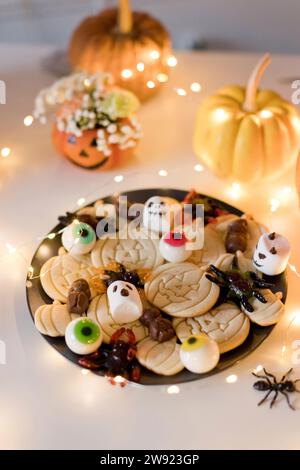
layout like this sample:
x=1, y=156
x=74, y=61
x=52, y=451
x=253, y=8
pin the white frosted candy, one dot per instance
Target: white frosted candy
x=199, y=353
x=78, y=238
x=172, y=247
x=159, y=213
x=124, y=302
x=271, y=254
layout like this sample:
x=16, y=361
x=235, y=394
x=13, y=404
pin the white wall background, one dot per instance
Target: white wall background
x=256, y=25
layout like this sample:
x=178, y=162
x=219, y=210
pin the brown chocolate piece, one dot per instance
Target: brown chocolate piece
x=78, y=297
x=149, y=315
x=161, y=329
x=236, y=237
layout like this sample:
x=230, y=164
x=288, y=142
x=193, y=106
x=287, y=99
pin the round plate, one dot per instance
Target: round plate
x=48, y=248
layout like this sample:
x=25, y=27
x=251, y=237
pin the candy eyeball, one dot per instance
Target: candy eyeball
x=199, y=353
x=83, y=336
x=159, y=213
x=78, y=238
x=172, y=247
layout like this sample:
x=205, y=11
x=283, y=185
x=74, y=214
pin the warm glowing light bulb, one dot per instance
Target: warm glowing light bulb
x=5, y=152
x=163, y=173
x=173, y=389
x=118, y=178
x=274, y=204
x=235, y=190
x=126, y=73
x=154, y=55
x=195, y=87
x=162, y=77
x=85, y=371
x=231, y=379
x=28, y=120
x=87, y=83
x=172, y=61
x=180, y=91
x=81, y=201
x=51, y=236
x=140, y=66
x=150, y=84
x=266, y=113
x=119, y=379
x=220, y=115
x=198, y=167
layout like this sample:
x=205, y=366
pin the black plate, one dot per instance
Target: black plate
x=36, y=297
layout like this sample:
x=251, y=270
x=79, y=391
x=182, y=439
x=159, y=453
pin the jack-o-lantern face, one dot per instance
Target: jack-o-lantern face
x=271, y=254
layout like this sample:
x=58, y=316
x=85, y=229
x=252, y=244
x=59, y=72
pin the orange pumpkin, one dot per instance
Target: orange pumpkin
x=133, y=46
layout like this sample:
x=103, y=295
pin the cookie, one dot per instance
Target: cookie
x=161, y=358
x=225, y=324
x=268, y=313
x=181, y=290
x=99, y=312
x=53, y=319
x=212, y=249
x=59, y=272
x=135, y=251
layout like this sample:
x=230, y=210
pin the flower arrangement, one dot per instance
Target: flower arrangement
x=95, y=122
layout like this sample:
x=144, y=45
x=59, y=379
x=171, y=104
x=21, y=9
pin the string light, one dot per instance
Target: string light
x=126, y=73
x=173, y=389
x=51, y=236
x=266, y=113
x=258, y=368
x=118, y=178
x=30, y=272
x=274, y=204
x=10, y=248
x=235, y=190
x=162, y=77
x=5, y=152
x=87, y=83
x=172, y=61
x=231, y=379
x=163, y=173
x=154, y=55
x=85, y=371
x=81, y=201
x=195, y=87
x=140, y=66
x=220, y=115
x=198, y=167
x=150, y=84
x=28, y=120
x=180, y=91
x=293, y=269
x=119, y=379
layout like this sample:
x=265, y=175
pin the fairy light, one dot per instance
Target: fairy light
x=162, y=77
x=293, y=269
x=172, y=61
x=51, y=236
x=154, y=54
x=163, y=173
x=231, y=379
x=173, y=390
x=235, y=190
x=198, y=168
x=28, y=120
x=10, y=248
x=87, y=83
x=119, y=178
x=274, y=204
x=85, y=371
x=258, y=368
x=81, y=201
x=266, y=113
x=119, y=379
x=5, y=152
x=220, y=115
x=30, y=272
x=140, y=66
x=180, y=91
x=195, y=87
x=150, y=84
x=126, y=73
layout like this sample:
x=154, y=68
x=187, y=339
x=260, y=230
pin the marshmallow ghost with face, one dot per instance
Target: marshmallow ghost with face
x=159, y=213
x=271, y=254
x=124, y=302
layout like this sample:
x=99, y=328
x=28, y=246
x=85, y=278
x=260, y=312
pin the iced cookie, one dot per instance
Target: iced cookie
x=213, y=248
x=135, y=251
x=59, y=272
x=268, y=313
x=161, y=358
x=181, y=290
x=53, y=319
x=99, y=312
x=225, y=324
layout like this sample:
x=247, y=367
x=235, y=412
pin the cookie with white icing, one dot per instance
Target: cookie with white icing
x=53, y=319
x=160, y=358
x=213, y=248
x=226, y=324
x=268, y=313
x=181, y=290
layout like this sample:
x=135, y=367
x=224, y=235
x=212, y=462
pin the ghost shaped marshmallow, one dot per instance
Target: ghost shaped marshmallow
x=271, y=254
x=173, y=247
x=124, y=302
x=159, y=213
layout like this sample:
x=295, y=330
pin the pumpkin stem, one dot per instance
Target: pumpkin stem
x=253, y=82
x=125, y=16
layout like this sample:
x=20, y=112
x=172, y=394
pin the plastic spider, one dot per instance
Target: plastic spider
x=239, y=286
x=269, y=384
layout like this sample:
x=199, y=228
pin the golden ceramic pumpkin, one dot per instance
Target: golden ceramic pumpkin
x=133, y=46
x=246, y=134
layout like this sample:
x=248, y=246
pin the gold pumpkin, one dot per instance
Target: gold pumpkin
x=133, y=46
x=246, y=134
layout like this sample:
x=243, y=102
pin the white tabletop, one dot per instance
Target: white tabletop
x=45, y=401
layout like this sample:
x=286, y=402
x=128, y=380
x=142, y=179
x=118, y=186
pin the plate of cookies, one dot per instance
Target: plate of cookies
x=157, y=286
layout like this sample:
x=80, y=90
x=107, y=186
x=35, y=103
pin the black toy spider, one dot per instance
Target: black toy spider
x=269, y=384
x=239, y=286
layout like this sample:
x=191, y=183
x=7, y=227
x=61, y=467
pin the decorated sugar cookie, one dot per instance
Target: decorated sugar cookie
x=199, y=353
x=159, y=213
x=173, y=247
x=124, y=302
x=271, y=254
x=53, y=319
x=78, y=238
x=83, y=336
x=226, y=324
x=99, y=312
x=269, y=313
x=161, y=358
x=181, y=290
x=212, y=249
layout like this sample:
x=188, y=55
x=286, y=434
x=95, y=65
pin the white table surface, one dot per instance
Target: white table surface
x=45, y=401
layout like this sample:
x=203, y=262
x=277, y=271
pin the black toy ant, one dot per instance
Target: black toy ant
x=269, y=384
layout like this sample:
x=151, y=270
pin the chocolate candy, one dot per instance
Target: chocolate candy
x=236, y=238
x=161, y=329
x=149, y=315
x=79, y=297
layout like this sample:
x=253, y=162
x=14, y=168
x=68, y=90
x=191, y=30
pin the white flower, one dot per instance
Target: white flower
x=112, y=128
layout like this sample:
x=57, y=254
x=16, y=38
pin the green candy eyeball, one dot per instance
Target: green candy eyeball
x=78, y=238
x=83, y=336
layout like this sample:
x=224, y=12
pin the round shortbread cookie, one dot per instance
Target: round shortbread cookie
x=212, y=249
x=181, y=290
x=59, y=272
x=161, y=358
x=99, y=312
x=225, y=324
x=137, y=250
x=268, y=313
x=53, y=319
